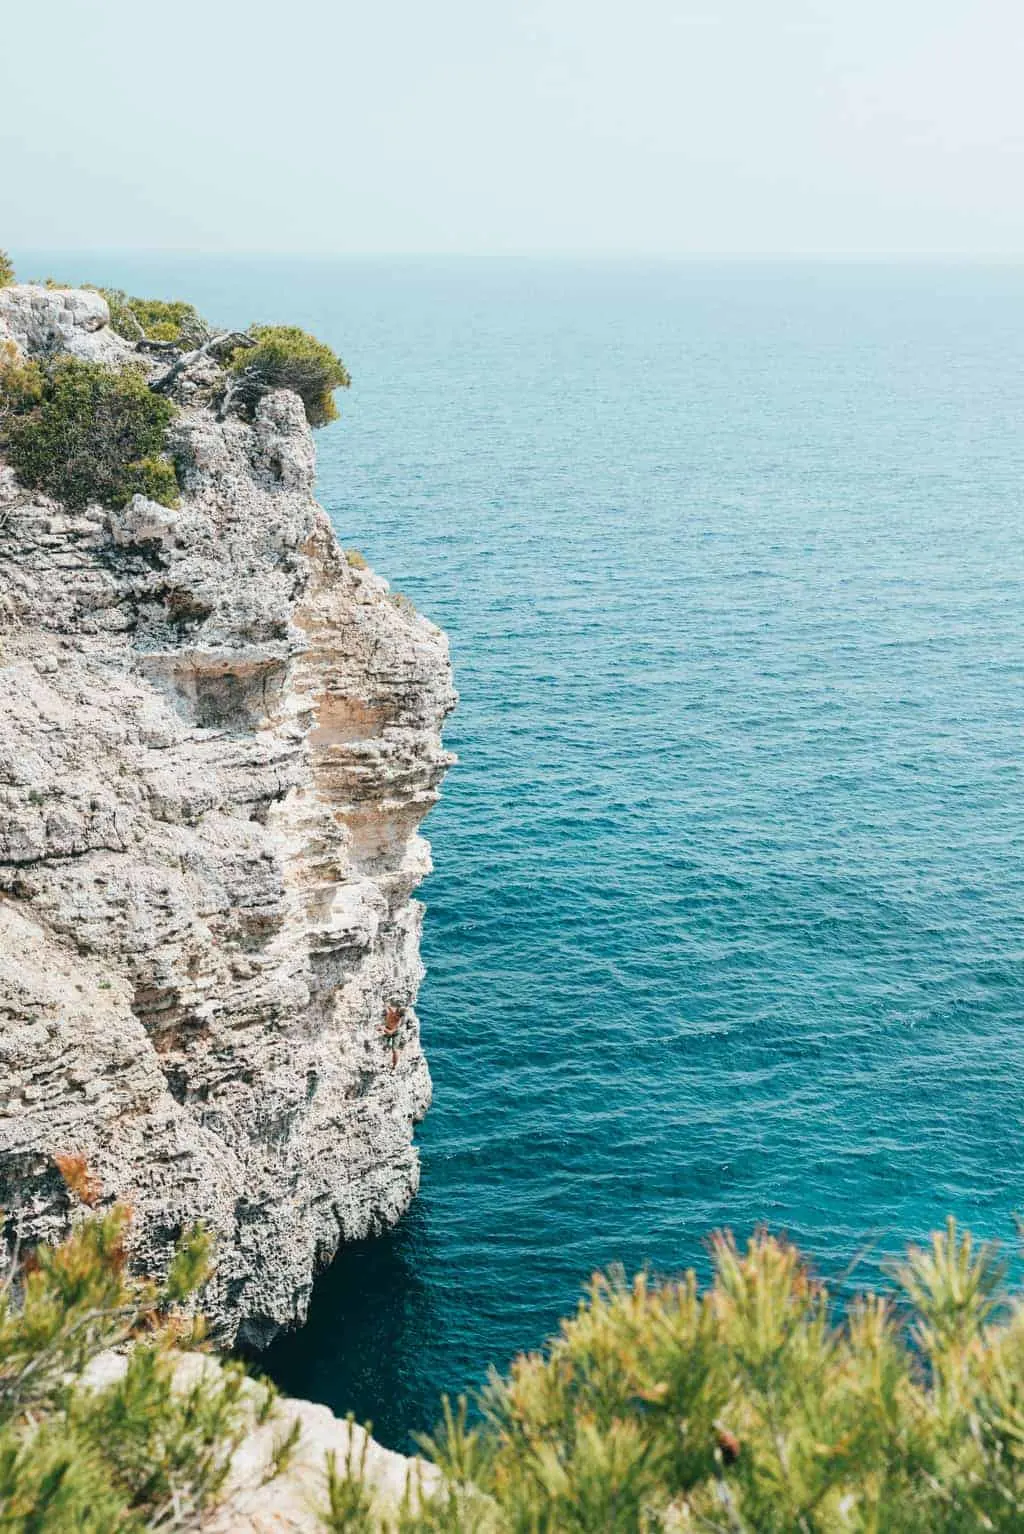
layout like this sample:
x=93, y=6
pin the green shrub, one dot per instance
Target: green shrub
x=129, y=1456
x=355, y=560
x=749, y=1409
x=153, y=477
x=21, y=382
x=349, y=1507
x=155, y=319
x=94, y=434
x=285, y=357
x=7, y=277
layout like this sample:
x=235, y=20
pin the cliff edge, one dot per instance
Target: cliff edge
x=217, y=743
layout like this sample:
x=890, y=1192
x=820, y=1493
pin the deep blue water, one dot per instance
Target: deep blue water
x=728, y=918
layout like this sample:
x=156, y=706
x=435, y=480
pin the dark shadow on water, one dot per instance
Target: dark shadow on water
x=369, y=1321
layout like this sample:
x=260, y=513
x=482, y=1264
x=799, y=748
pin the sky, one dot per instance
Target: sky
x=660, y=127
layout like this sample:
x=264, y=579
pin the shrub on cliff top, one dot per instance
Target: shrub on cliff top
x=155, y=319
x=83, y=432
x=746, y=1409
x=6, y=270
x=130, y=1456
x=285, y=357
x=21, y=382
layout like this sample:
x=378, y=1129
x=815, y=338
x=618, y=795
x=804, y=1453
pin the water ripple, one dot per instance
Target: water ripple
x=727, y=918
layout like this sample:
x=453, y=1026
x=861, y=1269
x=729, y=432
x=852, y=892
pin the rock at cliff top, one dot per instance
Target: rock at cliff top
x=72, y=320
x=254, y=1500
x=217, y=742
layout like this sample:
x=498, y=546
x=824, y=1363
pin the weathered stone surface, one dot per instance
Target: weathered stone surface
x=217, y=742
x=69, y=320
x=253, y=1500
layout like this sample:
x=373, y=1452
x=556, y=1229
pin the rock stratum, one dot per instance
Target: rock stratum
x=217, y=743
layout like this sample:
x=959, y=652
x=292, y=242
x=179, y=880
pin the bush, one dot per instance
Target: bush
x=285, y=357
x=136, y=1454
x=7, y=277
x=746, y=1408
x=21, y=382
x=155, y=319
x=90, y=434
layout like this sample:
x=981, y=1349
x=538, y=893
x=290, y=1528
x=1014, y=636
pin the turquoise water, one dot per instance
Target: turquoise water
x=727, y=919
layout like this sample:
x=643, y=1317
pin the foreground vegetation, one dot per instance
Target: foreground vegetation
x=131, y=1455
x=743, y=1408
x=747, y=1408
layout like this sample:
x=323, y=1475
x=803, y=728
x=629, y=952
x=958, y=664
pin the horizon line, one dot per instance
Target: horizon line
x=926, y=257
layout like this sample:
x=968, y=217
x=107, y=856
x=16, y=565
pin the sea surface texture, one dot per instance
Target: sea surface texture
x=728, y=919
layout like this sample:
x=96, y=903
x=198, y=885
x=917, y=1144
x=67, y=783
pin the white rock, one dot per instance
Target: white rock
x=71, y=320
x=290, y=1502
x=144, y=521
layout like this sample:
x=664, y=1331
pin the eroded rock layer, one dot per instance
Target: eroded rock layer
x=217, y=742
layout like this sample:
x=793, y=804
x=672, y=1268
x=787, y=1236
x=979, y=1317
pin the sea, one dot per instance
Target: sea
x=727, y=923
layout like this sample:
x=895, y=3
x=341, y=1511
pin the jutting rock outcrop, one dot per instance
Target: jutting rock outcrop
x=217, y=743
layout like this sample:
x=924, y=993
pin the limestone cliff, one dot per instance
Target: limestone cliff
x=217, y=742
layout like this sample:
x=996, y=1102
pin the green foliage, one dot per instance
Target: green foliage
x=349, y=1504
x=355, y=560
x=743, y=1408
x=154, y=477
x=83, y=432
x=285, y=357
x=135, y=1454
x=189, y=1267
x=21, y=382
x=283, y=1449
x=155, y=319
x=7, y=276
x=748, y=1409
x=465, y=1457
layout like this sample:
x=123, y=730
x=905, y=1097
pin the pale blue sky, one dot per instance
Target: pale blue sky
x=653, y=126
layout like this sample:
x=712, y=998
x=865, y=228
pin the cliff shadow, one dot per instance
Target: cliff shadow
x=369, y=1327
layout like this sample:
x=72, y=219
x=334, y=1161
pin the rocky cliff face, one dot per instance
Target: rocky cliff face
x=217, y=742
